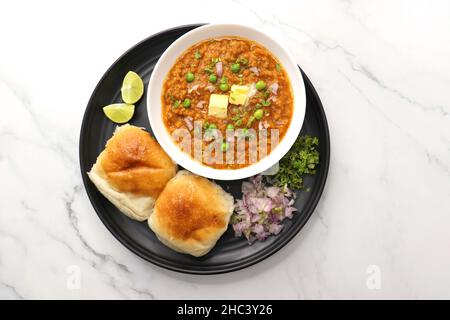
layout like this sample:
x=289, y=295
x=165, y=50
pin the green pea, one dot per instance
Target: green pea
x=224, y=86
x=235, y=67
x=186, y=103
x=260, y=85
x=213, y=78
x=190, y=77
x=224, y=146
x=230, y=127
x=258, y=114
x=212, y=126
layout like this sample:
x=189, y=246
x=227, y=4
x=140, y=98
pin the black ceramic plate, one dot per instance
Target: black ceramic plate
x=230, y=253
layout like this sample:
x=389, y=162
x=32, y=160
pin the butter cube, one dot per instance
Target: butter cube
x=239, y=94
x=218, y=104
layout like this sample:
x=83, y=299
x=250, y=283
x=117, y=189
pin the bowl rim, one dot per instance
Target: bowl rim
x=167, y=60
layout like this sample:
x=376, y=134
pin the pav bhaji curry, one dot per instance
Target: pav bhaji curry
x=229, y=84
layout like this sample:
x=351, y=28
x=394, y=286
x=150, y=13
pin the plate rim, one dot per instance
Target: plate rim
x=229, y=267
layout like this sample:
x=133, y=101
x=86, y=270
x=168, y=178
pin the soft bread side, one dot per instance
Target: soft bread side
x=135, y=207
x=191, y=214
x=131, y=171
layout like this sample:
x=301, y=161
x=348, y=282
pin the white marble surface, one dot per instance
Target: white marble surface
x=382, y=69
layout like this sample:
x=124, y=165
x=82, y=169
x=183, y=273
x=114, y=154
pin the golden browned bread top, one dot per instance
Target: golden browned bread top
x=192, y=207
x=134, y=162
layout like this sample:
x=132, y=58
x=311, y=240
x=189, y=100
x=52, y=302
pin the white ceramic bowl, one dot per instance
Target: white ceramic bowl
x=167, y=60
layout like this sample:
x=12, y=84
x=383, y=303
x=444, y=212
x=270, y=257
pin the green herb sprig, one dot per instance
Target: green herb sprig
x=302, y=159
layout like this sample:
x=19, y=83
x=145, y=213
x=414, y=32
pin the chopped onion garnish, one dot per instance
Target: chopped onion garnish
x=200, y=104
x=261, y=210
x=210, y=88
x=252, y=91
x=255, y=70
x=272, y=98
x=274, y=88
x=219, y=69
x=194, y=88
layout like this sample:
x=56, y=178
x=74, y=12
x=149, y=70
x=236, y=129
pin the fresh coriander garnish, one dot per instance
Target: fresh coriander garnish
x=176, y=103
x=265, y=103
x=278, y=67
x=250, y=121
x=224, y=80
x=224, y=84
x=302, y=159
x=187, y=103
x=210, y=68
x=197, y=55
x=242, y=61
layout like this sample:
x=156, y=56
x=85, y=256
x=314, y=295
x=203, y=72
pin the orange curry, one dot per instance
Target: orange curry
x=231, y=67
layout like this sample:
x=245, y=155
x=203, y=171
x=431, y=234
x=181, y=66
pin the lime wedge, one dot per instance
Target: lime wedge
x=132, y=88
x=119, y=112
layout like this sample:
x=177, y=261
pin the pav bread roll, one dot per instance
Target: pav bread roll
x=132, y=171
x=191, y=214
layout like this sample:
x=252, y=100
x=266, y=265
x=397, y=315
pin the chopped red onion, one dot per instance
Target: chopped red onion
x=219, y=69
x=210, y=88
x=274, y=88
x=272, y=98
x=194, y=88
x=261, y=210
x=252, y=91
x=200, y=104
x=255, y=70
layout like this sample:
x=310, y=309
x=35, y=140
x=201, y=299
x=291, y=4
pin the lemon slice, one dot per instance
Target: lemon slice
x=119, y=112
x=132, y=88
